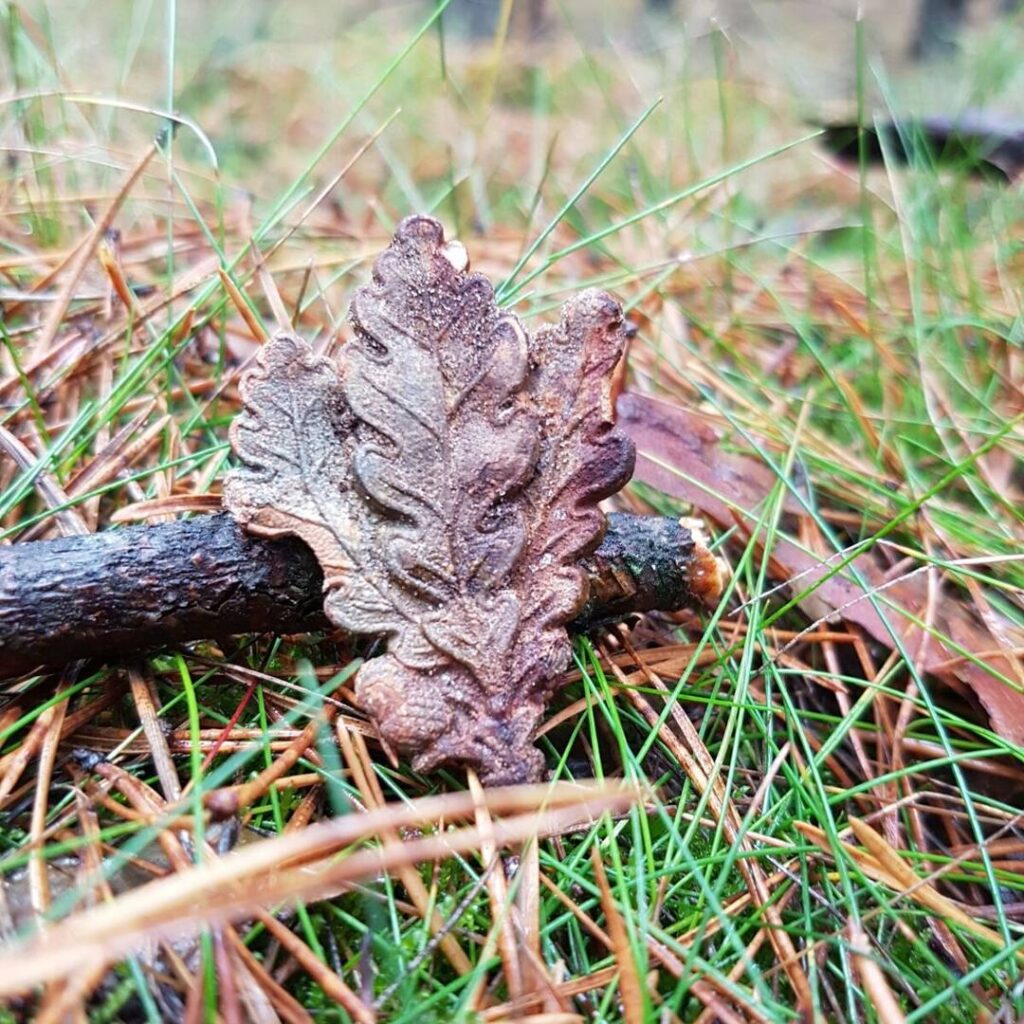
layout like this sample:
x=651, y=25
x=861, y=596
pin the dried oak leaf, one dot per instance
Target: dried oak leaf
x=446, y=474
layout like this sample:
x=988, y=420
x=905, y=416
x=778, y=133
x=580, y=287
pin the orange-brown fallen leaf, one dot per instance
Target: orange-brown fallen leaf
x=679, y=453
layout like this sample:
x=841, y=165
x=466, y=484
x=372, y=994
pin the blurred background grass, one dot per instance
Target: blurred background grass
x=268, y=81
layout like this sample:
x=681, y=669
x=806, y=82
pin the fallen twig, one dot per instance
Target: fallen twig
x=113, y=594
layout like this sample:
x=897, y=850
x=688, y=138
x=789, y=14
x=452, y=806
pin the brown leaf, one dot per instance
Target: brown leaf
x=680, y=454
x=447, y=476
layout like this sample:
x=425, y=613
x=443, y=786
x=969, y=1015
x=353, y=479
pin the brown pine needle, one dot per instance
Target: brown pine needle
x=245, y=311
x=110, y=259
x=283, y=1002
x=82, y=255
x=174, y=504
x=357, y=758
x=630, y=985
x=334, y=986
x=39, y=886
x=224, y=803
x=497, y=891
x=872, y=978
x=906, y=880
x=143, y=694
x=292, y=867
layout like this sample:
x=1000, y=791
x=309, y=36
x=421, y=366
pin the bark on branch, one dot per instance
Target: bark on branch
x=111, y=595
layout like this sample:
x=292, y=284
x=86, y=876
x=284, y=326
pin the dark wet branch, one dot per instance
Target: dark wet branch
x=113, y=595
x=977, y=143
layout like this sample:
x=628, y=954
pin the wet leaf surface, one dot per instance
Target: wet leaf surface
x=447, y=476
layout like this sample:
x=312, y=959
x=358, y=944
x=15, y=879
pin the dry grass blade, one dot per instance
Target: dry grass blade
x=82, y=255
x=497, y=891
x=68, y=519
x=357, y=758
x=630, y=985
x=334, y=986
x=698, y=764
x=872, y=977
x=121, y=451
x=294, y=866
x=926, y=894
